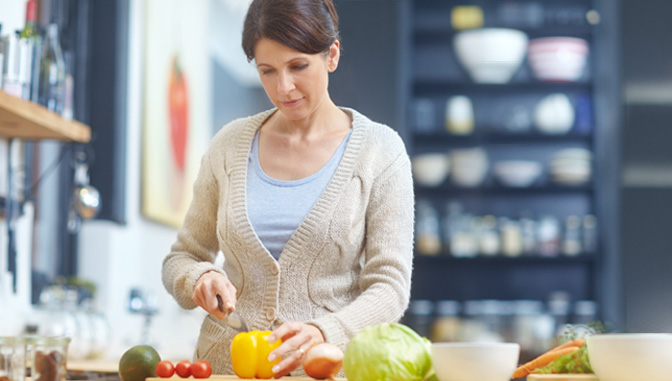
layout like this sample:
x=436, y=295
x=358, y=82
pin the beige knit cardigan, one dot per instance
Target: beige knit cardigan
x=347, y=265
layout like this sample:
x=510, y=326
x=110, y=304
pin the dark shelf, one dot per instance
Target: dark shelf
x=446, y=190
x=488, y=136
x=498, y=260
x=437, y=32
x=441, y=85
x=535, y=278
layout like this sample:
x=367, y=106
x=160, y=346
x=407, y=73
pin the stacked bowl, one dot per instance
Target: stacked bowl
x=558, y=59
x=571, y=166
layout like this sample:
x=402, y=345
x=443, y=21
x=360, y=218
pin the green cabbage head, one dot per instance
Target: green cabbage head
x=388, y=352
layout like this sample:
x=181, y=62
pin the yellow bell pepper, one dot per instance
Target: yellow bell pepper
x=249, y=354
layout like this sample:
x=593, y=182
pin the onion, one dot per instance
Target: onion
x=323, y=361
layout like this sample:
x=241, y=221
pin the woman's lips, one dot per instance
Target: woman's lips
x=292, y=103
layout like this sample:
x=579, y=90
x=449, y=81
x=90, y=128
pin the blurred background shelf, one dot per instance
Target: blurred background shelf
x=26, y=120
x=490, y=137
x=502, y=260
x=448, y=190
x=436, y=84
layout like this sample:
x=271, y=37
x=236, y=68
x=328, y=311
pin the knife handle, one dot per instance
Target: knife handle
x=220, y=304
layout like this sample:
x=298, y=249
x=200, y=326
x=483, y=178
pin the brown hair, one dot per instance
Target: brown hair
x=307, y=26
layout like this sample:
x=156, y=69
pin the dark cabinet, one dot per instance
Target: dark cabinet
x=553, y=121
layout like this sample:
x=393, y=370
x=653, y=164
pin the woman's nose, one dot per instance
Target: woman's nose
x=285, y=83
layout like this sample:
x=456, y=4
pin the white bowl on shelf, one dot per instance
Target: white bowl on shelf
x=469, y=166
x=631, y=356
x=491, y=55
x=517, y=173
x=554, y=114
x=558, y=59
x=430, y=169
x=482, y=361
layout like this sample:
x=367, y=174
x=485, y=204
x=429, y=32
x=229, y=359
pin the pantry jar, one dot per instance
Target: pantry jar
x=12, y=359
x=48, y=357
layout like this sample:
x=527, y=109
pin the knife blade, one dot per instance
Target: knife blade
x=234, y=320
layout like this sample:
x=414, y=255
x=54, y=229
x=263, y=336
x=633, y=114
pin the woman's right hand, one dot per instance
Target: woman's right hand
x=208, y=286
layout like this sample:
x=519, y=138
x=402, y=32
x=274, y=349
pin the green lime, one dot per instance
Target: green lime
x=138, y=363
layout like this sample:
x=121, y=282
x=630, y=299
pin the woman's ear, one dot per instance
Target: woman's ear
x=334, y=56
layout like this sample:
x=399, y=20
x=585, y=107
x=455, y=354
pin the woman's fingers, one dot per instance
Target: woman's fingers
x=297, y=338
x=289, y=363
x=208, y=286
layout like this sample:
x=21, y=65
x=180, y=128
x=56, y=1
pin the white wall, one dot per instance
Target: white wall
x=118, y=258
x=12, y=15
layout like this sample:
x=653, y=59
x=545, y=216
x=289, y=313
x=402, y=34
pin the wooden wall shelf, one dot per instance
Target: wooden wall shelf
x=27, y=120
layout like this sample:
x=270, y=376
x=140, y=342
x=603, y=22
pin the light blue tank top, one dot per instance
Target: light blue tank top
x=276, y=208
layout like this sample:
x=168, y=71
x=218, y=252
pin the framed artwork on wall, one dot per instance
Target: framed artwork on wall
x=177, y=105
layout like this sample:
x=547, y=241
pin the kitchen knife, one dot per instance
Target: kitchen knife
x=234, y=320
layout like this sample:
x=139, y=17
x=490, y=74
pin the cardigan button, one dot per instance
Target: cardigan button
x=274, y=270
x=270, y=313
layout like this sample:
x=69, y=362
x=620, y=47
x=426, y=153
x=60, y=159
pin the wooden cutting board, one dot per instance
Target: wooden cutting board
x=226, y=377
x=561, y=377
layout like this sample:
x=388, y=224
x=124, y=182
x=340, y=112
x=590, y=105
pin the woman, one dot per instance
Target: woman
x=311, y=204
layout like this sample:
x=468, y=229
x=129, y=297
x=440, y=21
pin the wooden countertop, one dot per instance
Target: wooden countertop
x=111, y=366
x=98, y=365
x=227, y=377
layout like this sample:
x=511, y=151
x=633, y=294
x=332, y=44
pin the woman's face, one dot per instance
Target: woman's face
x=295, y=82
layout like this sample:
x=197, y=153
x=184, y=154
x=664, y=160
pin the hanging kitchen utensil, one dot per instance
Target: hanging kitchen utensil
x=85, y=198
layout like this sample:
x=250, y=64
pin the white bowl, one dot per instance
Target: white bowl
x=486, y=361
x=517, y=173
x=631, y=356
x=554, y=114
x=430, y=169
x=469, y=166
x=573, y=153
x=558, y=59
x=491, y=55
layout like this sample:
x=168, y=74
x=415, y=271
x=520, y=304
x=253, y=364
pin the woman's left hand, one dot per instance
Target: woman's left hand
x=297, y=338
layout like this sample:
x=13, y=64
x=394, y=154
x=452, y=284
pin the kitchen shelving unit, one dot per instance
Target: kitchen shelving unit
x=436, y=75
x=25, y=120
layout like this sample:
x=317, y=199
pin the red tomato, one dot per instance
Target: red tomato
x=165, y=369
x=183, y=369
x=201, y=369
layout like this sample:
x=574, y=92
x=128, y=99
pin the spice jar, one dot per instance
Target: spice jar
x=12, y=359
x=48, y=357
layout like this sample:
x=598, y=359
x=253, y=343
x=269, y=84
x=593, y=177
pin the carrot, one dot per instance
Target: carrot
x=543, y=360
x=578, y=342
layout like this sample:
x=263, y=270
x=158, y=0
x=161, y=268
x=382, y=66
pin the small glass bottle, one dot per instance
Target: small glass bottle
x=512, y=243
x=571, y=242
x=30, y=29
x=428, y=236
x=51, y=91
x=488, y=236
x=548, y=233
x=446, y=326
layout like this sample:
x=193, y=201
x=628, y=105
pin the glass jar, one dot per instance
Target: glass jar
x=48, y=357
x=446, y=326
x=12, y=358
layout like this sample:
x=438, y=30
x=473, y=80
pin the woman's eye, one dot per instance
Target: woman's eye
x=266, y=71
x=300, y=67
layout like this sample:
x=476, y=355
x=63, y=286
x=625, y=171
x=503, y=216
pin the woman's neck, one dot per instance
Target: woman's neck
x=325, y=120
